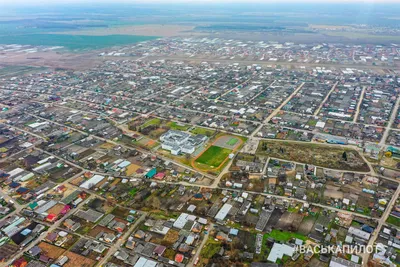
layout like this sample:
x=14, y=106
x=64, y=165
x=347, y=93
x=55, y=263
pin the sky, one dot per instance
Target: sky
x=34, y=2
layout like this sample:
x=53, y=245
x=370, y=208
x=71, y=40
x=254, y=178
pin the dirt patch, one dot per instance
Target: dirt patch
x=98, y=229
x=289, y=221
x=52, y=59
x=275, y=216
x=333, y=192
x=306, y=225
x=76, y=260
x=320, y=155
x=56, y=209
x=50, y=250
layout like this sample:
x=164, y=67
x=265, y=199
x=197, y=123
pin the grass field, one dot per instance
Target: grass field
x=393, y=220
x=361, y=35
x=232, y=141
x=204, y=131
x=213, y=156
x=74, y=42
x=19, y=70
x=155, y=121
x=282, y=236
x=178, y=126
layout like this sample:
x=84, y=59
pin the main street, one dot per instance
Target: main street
x=114, y=248
x=393, y=116
x=381, y=222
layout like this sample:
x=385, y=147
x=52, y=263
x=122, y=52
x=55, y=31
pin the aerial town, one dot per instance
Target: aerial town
x=194, y=151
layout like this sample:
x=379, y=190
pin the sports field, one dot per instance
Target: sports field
x=214, y=156
x=227, y=141
x=232, y=142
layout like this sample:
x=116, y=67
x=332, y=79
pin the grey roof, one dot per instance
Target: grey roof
x=89, y=215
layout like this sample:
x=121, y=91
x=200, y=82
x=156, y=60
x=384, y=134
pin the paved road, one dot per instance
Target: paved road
x=381, y=222
x=200, y=247
x=114, y=248
x=359, y=104
x=393, y=116
x=326, y=99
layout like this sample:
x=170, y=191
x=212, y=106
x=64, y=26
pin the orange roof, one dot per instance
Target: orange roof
x=179, y=257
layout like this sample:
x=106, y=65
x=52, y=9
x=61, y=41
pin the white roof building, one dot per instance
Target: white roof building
x=279, y=250
x=181, y=221
x=223, y=212
x=92, y=181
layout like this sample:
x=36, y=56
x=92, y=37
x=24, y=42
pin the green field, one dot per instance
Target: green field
x=362, y=35
x=393, y=220
x=74, y=42
x=155, y=121
x=178, y=126
x=282, y=236
x=232, y=142
x=214, y=156
x=204, y=131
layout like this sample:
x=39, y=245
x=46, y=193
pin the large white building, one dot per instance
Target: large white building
x=223, y=212
x=181, y=142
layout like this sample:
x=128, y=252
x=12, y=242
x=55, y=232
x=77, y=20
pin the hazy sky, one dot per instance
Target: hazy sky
x=32, y=2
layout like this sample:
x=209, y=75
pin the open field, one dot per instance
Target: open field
x=323, y=156
x=204, y=131
x=360, y=35
x=283, y=236
x=51, y=59
x=18, y=70
x=163, y=30
x=151, y=122
x=76, y=260
x=178, y=126
x=330, y=27
x=50, y=250
x=74, y=42
x=214, y=156
x=229, y=142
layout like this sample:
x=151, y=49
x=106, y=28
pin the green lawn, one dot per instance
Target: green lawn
x=210, y=248
x=232, y=142
x=178, y=126
x=393, y=220
x=155, y=121
x=133, y=192
x=204, y=131
x=283, y=236
x=214, y=156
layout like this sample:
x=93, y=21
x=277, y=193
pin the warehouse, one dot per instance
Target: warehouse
x=223, y=212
